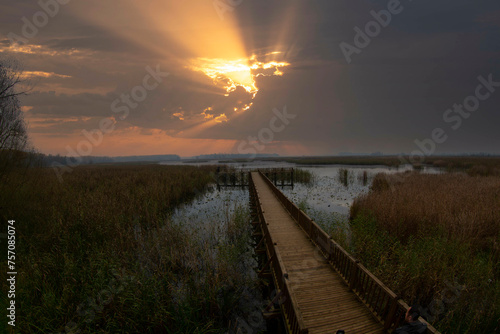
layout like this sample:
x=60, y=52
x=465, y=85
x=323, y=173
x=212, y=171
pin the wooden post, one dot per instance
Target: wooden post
x=353, y=280
x=389, y=319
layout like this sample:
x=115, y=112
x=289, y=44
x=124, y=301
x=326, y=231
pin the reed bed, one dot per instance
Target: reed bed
x=434, y=239
x=98, y=253
x=303, y=176
x=474, y=166
x=465, y=208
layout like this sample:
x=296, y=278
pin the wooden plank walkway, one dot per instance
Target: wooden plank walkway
x=323, y=299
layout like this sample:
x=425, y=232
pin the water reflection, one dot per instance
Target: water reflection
x=325, y=197
x=213, y=207
x=326, y=200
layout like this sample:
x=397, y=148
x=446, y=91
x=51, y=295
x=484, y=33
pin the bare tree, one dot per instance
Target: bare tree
x=13, y=131
x=13, y=134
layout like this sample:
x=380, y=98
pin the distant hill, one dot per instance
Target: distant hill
x=161, y=157
x=224, y=156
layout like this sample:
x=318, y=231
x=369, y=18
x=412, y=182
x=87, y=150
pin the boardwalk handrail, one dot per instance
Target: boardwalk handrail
x=292, y=316
x=382, y=302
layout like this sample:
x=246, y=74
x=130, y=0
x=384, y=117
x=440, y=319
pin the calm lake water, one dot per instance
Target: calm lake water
x=324, y=198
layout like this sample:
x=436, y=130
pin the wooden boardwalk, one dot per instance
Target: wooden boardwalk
x=324, y=300
x=318, y=295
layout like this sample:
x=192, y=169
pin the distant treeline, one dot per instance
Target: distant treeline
x=483, y=163
x=47, y=160
x=219, y=156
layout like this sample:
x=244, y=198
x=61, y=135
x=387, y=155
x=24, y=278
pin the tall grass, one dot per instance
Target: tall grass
x=303, y=176
x=465, y=208
x=345, y=176
x=363, y=177
x=434, y=239
x=474, y=166
x=98, y=253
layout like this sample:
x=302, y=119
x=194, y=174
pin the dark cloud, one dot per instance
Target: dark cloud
x=393, y=92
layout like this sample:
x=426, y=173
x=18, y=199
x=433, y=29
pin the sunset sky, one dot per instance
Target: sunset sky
x=233, y=66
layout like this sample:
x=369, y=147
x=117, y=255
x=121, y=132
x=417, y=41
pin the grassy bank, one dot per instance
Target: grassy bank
x=433, y=239
x=347, y=160
x=473, y=165
x=98, y=252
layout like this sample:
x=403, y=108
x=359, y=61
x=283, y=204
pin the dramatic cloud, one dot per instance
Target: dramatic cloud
x=229, y=67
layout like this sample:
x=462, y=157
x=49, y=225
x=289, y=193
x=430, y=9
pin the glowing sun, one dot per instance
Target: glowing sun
x=242, y=72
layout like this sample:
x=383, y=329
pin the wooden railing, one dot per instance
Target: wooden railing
x=287, y=300
x=386, y=306
x=279, y=176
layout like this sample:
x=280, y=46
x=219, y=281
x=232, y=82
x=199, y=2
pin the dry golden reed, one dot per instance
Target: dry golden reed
x=466, y=208
x=434, y=240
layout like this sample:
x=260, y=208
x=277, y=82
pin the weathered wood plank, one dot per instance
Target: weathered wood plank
x=323, y=300
x=306, y=271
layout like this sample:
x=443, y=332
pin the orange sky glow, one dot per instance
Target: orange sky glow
x=217, y=50
x=190, y=78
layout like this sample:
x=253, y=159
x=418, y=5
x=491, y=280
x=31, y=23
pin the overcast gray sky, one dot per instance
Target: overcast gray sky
x=230, y=63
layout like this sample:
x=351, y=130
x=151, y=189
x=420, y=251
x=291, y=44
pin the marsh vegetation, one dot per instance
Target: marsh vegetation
x=434, y=240
x=472, y=165
x=100, y=253
x=112, y=248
